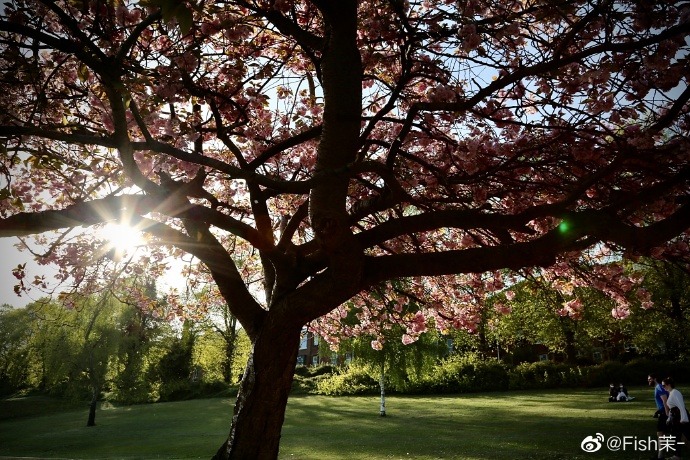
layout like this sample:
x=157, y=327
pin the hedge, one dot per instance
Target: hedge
x=469, y=373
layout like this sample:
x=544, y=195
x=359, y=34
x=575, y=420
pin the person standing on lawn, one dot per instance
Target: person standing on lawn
x=660, y=395
x=662, y=428
x=678, y=415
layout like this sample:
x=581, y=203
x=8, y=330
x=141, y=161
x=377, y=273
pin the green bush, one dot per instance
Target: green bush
x=307, y=385
x=546, y=374
x=463, y=374
x=471, y=373
x=322, y=369
x=301, y=370
x=602, y=374
x=455, y=374
x=306, y=379
x=635, y=372
x=180, y=390
x=353, y=380
x=139, y=392
x=313, y=371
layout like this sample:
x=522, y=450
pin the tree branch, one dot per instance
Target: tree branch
x=539, y=252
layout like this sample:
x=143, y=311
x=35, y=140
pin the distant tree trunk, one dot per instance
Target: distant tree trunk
x=262, y=399
x=570, y=347
x=230, y=338
x=382, y=384
x=92, y=407
x=227, y=364
x=95, y=388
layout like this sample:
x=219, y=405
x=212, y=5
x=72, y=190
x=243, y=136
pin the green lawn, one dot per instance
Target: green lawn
x=548, y=424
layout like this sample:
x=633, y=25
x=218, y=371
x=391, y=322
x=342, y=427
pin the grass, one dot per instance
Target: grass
x=549, y=424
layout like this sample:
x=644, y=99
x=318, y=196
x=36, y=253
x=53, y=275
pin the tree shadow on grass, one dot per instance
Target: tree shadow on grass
x=463, y=427
x=30, y=406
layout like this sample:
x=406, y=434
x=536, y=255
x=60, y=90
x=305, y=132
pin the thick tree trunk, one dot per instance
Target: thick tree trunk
x=261, y=403
x=262, y=399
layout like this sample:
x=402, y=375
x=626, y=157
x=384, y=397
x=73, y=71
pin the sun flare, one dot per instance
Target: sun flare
x=122, y=238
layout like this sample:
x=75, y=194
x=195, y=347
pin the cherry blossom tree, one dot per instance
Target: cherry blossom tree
x=307, y=151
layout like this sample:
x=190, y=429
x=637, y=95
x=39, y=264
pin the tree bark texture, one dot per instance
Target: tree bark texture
x=262, y=399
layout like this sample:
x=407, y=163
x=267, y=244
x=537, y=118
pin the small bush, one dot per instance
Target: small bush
x=323, y=369
x=301, y=370
x=635, y=372
x=463, y=374
x=306, y=379
x=180, y=390
x=546, y=374
x=352, y=381
x=608, y=372
x=138, y=393
x=470, y=373
x=303, y=385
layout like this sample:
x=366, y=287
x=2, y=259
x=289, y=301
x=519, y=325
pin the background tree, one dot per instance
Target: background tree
x=661, y=323
x=531, y=313
x=392, y=363
x=220, y=321
x=139, y=331
x=53, y=346
x=140, y=327
x=33, y=339
x=100, y=342
x=342, y=145
x=62, y=352
x=14, y=349
x=174, y=369
x=220, y=358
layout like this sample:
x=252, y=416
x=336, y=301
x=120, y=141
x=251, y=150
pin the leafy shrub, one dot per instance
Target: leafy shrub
x=176, y=390
x=546, y=374
x=602, y=374
x=180, y=390
x=301, y=370
x=323, y=369
x=138, y=392
x=636, y=371
x=353, y=380
x=307, y=385
x=679, y=370
x=463, y=374
x=313, y=371
x=306, y=379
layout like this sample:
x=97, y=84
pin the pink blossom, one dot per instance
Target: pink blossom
x=470, y=39
x=419, y=323
x=502, y=309
x=620, y=312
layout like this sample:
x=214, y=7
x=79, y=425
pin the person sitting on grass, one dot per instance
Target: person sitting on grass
x=623, y=395
x=619, y=393
x=613, y=393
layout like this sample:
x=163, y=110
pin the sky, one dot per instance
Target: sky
x=11, y=257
